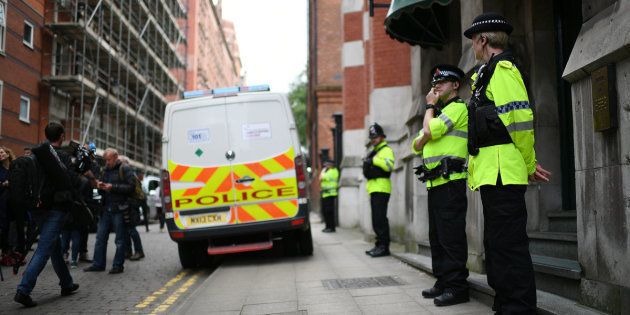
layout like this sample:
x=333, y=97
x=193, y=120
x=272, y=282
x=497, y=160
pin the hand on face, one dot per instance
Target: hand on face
x=433, y=96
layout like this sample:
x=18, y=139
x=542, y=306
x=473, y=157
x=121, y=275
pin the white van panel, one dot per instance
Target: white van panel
x=199, y=134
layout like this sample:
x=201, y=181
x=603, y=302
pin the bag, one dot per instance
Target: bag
x=138, y=194
x=81, y=214
x=27, y=179
x=131, y=215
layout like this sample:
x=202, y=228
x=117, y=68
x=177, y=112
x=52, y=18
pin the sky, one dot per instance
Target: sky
x=273, y=39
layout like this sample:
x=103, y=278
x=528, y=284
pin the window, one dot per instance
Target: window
x=28, y=34
x=25, y=108
x=3, y=23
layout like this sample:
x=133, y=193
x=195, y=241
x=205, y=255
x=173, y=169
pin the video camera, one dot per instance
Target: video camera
x=83, y=158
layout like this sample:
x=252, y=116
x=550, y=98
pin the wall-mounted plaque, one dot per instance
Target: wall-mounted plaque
x=603, y=85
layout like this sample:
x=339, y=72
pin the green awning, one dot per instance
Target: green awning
x=417, y=22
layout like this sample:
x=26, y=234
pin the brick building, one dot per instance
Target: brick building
x=22, y=97
x=324, y=81
x=575, y=61
x=213, y=57
x=107, y=69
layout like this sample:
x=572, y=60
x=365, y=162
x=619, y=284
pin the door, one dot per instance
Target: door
x=199, y=164
x=264, y=167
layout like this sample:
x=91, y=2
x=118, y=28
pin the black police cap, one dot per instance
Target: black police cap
x=375, y=130
x=488, y=22
x=446, y=72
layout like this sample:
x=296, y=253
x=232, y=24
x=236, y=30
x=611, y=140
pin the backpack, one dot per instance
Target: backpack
x=27, y=178
x=138, y=194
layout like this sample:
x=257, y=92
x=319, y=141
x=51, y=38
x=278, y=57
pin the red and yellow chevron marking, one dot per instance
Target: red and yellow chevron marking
x=254, y=200
x=267, y=211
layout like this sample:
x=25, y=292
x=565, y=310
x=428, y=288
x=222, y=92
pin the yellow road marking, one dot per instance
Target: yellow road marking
x=173, y=297
x=155, y=295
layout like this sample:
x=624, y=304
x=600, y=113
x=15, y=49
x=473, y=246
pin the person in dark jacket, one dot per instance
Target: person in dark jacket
x=56, y=200
x=115, y=190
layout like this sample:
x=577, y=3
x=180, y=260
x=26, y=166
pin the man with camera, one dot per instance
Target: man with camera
x=55, y=200
x=442, y=143
x=115, y=190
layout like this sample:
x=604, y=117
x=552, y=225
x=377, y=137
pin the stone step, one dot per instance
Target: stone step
x=557, y=275
x=548, y=303
x=562, y=221
x=553, y=244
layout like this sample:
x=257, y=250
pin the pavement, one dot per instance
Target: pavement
x=338, y=279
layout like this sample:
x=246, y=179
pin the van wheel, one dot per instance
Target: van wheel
x=290, y=244
x=192, y=254
x=305, y=241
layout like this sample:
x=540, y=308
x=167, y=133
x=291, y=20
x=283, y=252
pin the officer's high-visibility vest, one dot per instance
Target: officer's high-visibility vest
x=329, y=182
x=514, y=160
x=449, y=136
x=383, y=159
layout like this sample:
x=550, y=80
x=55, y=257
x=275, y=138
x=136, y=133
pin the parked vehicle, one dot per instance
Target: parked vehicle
x=233, y=176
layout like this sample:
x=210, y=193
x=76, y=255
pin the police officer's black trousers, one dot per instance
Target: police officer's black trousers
x=508, y=262
x=380, y=224
x=447, y=235
x=328, y=211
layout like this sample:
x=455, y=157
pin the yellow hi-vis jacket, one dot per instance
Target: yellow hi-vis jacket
x=329, y=182
x=515, y=161
x=385, y=160
x=449, y=138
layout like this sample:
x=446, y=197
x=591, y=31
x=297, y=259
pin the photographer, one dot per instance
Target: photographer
x=115, y=190
x=55, y=200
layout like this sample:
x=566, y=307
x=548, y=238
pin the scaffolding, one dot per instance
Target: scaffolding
x=115, y=65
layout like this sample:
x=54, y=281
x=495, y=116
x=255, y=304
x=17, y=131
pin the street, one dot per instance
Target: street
x=339, y=278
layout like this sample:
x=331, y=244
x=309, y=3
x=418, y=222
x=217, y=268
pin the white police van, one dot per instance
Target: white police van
x=233, y=175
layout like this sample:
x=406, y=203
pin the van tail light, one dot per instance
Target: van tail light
x=166, y=192
x=301, y=176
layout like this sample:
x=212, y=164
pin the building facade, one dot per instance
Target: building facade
x=574, y=60
x=22, y=98
x=325, y=78
x=106, y=69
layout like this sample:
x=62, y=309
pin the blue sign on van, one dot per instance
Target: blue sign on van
x=198, y=136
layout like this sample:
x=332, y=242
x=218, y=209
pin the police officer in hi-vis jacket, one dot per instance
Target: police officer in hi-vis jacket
x=502, y=160
x=328, y=182
x=442, y=144
x=377, y=168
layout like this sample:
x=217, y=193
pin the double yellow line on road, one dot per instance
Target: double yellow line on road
x=171, y=299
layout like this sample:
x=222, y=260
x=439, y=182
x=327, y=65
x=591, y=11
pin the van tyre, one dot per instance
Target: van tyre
x=192, y=254
x=305, y=241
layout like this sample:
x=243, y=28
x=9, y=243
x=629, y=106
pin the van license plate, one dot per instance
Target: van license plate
x=207, y=219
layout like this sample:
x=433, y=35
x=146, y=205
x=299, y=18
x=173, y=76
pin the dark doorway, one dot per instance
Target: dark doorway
x=567, y=24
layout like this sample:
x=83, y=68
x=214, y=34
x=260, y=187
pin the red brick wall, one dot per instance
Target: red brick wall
x=21, y=75
x=329, y=42
x=390, y=60
x=354, y=98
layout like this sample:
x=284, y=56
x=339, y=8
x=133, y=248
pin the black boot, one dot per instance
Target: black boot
x=24, y=300
x=432, y=293
x=449, y=297
x=380, y=251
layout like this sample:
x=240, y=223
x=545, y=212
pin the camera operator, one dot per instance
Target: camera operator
x=115, y=189
x=55, y=200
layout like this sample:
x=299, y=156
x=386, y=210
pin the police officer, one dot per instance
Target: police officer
x=377, y=168
x=502, y=159
x=442, y=143
x=328, y=183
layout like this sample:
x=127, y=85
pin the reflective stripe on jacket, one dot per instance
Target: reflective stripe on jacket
x=449, y=137
x=384, y=159
x=514, y=160
x=329, y=182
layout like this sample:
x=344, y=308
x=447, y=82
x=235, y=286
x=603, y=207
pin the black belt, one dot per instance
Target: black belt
x=446, y=167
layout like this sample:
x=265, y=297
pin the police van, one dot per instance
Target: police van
x=233, y=177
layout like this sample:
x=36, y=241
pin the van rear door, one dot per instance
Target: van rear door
x=264, y=168
x=201, y=177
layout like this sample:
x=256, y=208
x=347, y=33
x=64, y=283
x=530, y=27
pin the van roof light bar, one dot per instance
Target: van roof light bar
x=227, y=90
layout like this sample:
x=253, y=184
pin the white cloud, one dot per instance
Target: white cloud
x=272, y=37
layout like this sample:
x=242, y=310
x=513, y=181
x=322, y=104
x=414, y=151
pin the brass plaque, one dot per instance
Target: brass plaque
x=604, y=98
